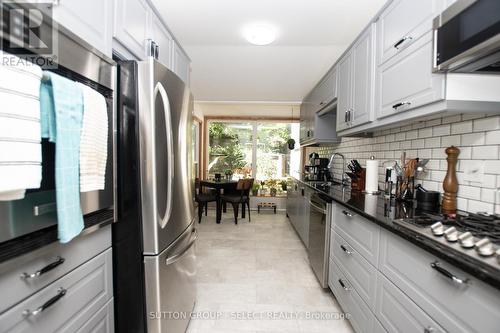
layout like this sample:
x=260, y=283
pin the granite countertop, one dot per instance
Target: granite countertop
x=384, y=212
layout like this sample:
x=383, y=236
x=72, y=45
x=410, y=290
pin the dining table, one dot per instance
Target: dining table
x=219, y=186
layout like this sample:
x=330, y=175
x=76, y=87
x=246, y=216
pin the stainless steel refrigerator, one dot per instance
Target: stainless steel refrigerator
x=155, y=269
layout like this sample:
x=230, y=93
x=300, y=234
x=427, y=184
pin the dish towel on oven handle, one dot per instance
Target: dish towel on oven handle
x=61, y=110
x=93, y=140
x=20, y=147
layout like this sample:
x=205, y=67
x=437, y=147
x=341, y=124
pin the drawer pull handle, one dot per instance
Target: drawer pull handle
x=435, y=265
x=346, y=213
x=49, y=267
x=345, y=249
x=400, y=104
x=429, y=329
x=60, y=293
x=343, y=285
x=401, y=41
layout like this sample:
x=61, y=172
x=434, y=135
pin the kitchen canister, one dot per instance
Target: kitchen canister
x=371, y=185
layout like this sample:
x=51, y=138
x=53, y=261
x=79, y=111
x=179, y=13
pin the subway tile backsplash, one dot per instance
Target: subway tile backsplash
x=477, y=136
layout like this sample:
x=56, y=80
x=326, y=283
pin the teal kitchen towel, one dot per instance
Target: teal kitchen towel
x=61, y=111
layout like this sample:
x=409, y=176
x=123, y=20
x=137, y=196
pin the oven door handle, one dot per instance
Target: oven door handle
x=179, y=255
x=318, y=208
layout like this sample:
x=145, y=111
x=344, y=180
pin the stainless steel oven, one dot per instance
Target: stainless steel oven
x=80, y=62
x=467, y=37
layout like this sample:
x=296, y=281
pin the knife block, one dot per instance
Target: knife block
x=359, y=183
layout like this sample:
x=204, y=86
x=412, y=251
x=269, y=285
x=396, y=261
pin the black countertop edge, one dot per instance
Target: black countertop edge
x=355, y=202
x=40, y=238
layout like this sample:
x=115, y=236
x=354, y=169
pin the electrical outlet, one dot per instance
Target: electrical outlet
x=474, y=172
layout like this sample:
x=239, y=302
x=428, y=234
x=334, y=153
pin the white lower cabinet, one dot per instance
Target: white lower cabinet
x=68, y=303
x=457, y=307
x=398, y=313
x=402, y=291
x=102, y=322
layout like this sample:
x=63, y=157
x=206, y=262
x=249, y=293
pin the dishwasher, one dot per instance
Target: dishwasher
x=320, y=215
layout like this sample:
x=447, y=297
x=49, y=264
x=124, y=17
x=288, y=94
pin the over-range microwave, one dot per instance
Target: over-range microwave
x=467, y=37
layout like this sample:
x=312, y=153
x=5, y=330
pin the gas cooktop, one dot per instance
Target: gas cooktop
x=477, y=235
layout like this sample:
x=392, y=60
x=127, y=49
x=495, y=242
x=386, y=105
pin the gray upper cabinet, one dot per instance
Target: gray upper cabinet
x=132, y=19
x=317, y=112
x=162, y=37
x=91, y=20
x=325, y=92
x=406, y=82
x=181, y=64
x=344, y=91
x=363, y=78
x=403, y=23
x=356, y=82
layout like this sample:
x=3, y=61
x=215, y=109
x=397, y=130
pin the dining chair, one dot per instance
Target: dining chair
x=203, y=198
x=240, y=196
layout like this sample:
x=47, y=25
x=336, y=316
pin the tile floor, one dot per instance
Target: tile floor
x=255, y=278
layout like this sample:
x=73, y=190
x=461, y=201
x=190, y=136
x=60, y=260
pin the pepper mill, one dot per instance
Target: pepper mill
x=450, y=182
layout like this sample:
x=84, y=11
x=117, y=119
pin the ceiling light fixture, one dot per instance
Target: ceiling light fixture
x=260, y=34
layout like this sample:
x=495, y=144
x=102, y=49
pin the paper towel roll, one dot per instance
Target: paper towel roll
x=371, y=184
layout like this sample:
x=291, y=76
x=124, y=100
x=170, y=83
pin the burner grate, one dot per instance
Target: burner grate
x=480, y=225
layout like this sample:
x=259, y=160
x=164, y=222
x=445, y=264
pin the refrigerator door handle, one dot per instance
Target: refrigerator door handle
x=172, y=259
x=159, y=89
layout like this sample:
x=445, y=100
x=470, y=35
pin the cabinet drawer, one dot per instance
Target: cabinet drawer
x=356, y=268
x=101, y=322
x=80, y=293
x=471, y=307
x=360, y=233
x=404, y=22
x=361, y=318
x=407, y=82
x=398, y=313
x=52, y=261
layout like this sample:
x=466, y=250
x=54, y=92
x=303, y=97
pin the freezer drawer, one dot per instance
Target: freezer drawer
x=171, y=285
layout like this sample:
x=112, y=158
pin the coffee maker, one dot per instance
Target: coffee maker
x=317, y=169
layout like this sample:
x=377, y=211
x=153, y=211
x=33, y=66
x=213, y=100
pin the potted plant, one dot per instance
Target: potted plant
x=283, y=185
x=229, y=174
x=255, y=189
x=273, y=191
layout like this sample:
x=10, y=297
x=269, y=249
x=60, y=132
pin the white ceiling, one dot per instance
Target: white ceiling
x=312, y=34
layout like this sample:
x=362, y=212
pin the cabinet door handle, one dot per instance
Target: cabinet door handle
x=60, y=293
x=321, y=103
x=345, y=249
x=348, y=214
x=437, y=266
x=429, y=329
x=343, y=285
x=49, y=267
x=400, y=104
x=401, y=41
x=345, y=115
x=351, y=111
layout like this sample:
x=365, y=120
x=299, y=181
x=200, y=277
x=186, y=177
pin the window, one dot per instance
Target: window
x=252, y=149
